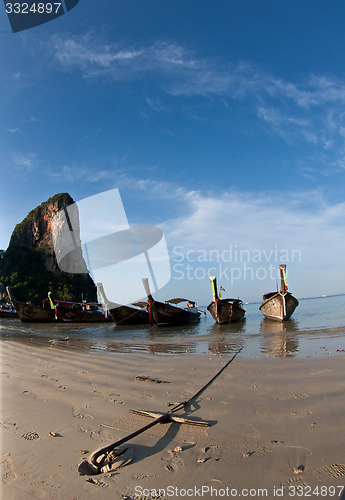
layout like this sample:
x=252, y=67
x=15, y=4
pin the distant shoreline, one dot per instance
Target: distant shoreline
x=308, y=298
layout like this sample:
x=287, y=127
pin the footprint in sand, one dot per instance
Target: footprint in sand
x=257, y=451
x=294, y=482
x=8, y=473
x=295, y=458
x=333, y=470
x=173, y=460
x=141, y=477
x=210, y=448
x=114, y=398
x=77, y=412
x=209, y=452
x=299, y=396
x=293, y=396
x=300, y=414
x=30, y=435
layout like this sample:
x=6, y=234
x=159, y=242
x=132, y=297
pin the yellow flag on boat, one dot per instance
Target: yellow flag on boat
x=51, y=300
x=214, y=287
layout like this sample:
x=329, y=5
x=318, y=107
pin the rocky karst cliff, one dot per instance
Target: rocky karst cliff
x=29, y=265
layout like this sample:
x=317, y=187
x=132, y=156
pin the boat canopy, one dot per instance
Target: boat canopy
x=178, y=300
x=139, y=304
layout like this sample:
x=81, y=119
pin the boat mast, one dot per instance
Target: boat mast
x=283, y=279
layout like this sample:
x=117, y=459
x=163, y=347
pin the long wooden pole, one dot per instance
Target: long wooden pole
x=150, y=301
x=95, y=466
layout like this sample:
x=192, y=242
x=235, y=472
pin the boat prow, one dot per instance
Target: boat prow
x=279, y=306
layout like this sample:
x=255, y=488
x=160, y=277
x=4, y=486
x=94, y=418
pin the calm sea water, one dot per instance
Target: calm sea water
x=317, y=328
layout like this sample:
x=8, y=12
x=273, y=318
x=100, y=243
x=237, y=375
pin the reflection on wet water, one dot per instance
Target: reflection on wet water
x=279, y=338
x=312, y=327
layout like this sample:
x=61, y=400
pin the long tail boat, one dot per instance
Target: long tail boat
x=168, y=313
x=28, y=312
x=135, y=314
x=281, y=304
x=8, y=312
x=59, y=311
x=224, y=310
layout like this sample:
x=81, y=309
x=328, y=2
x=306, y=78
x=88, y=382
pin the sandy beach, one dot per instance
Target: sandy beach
x=276, y=424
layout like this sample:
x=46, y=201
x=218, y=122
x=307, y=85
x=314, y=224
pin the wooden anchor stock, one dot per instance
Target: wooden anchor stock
x=171, y=418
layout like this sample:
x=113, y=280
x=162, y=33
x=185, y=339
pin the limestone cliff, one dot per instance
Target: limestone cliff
x=29, y=265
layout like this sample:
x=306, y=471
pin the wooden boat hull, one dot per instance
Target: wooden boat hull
x=29, y=313
x=223, y=311
x=8, y=314
x=279, y=307
x=167, y=314
x=127, y=315
x=85, y=317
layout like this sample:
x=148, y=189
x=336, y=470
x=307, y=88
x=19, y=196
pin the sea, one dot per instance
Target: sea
x=316, y=329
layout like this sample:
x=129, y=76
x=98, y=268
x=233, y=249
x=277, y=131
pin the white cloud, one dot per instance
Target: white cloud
x=31, y=119
x=75, y=173
x=255, y=220
x=311, y=109
x=156, y=105
x=25, y=163
x=96, y=58
x=302, y=227
x=302, y=219
x=189, y=74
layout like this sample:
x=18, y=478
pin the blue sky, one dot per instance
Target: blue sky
x=223, y=123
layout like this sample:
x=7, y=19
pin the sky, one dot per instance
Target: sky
x=222, y=123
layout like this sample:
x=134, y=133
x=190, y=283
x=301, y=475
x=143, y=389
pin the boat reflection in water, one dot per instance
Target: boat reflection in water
x=224, y=346
x=228, y=328
x=279, y=338
x=226, y=338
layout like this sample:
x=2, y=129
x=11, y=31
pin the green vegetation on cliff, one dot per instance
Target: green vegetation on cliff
x=29, y=266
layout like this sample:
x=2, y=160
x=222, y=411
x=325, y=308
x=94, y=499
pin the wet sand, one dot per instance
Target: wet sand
x=276, y=424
